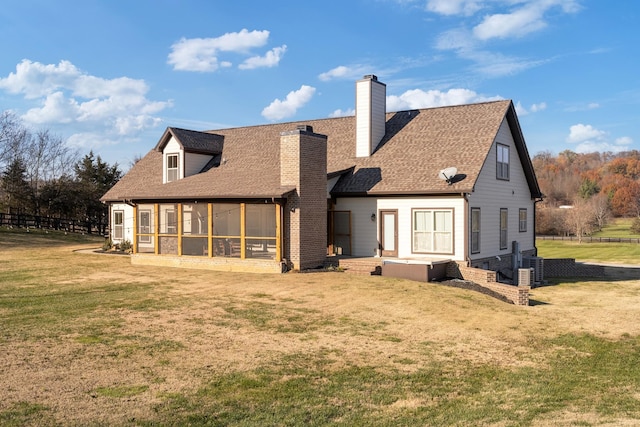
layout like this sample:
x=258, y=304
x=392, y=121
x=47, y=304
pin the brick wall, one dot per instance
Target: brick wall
x=567, y=267
x=519, y=295
x=303, y=165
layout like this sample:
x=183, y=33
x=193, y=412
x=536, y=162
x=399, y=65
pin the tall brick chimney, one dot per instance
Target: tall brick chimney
x=303, y=164
x=371, y=108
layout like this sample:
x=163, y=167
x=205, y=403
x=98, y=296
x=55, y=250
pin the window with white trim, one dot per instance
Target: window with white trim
x=475, y=230
x=502, y=161
x=432, y=231
x=173, y=167
x=504, y=222
x=118, y=225
x=522, y=220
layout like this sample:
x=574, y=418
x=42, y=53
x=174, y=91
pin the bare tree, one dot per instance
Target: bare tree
x=580, y=219
x=601, y=209
x=12, y=138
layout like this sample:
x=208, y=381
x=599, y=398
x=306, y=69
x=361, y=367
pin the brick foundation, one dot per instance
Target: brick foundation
x=519, y=295
x=206, y=263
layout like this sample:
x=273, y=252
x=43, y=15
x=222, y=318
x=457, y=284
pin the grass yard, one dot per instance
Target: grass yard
x=614, y=253
x=89, y=339
x=618, y=227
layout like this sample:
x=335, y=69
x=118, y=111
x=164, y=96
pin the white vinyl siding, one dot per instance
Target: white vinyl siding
x=123, y=229
x=365, y=231
x=490, y=194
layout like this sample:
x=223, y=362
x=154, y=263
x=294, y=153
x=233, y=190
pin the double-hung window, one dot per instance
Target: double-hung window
x=504, y=221
x=173, y=167
x=118, y=225
x=433, y=231
x=522, y=220
x=475, y=230
x=502, y=162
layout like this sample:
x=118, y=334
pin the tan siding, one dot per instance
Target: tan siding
x=491, y=194
x=193, y=163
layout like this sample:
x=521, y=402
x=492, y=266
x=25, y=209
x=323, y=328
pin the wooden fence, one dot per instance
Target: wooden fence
x=45, y=222
x=589, y=239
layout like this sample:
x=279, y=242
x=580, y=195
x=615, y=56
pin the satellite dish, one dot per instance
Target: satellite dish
x=448, y=174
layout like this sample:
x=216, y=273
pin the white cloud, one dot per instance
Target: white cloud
x=454, y=7
x=534, y=108
x=279, y=109
x=520, y=22
x=343, y=113
x=343, y=72
x=201, y=54
x=68, y=96
x=590, y=139
x=582, y=133
x=270, y=59
x=417, y=98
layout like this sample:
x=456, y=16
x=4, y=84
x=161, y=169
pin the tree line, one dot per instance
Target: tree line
x=43, y=176
x=582, y=192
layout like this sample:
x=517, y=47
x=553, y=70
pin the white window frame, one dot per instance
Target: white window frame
x=171, y=215
x=433, y=239
x=173, y=172
x=475, y=230
x=502, y=161
x=118, y=224
x=144, y=229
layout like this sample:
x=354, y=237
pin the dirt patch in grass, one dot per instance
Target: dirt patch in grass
x=153, y=334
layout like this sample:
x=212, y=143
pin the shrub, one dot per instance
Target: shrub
x=126, y=246
x=635, y=226
x=107, y=245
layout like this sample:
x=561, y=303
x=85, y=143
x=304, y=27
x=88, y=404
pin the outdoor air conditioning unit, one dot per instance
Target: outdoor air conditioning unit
x=537, y=263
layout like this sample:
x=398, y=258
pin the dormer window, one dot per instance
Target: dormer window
x=173, y=168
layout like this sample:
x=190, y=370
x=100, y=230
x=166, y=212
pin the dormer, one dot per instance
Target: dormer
x=187, y=152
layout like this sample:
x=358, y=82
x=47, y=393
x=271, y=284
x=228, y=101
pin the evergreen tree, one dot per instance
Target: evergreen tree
x=94, y=177
x=16, y=191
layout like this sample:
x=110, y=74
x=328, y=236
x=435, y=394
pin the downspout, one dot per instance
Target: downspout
x=535, y=202
x=466, y=227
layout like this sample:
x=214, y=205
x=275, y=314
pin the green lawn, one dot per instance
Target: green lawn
x=618, y=227
x=93, y=340
x=618, y=253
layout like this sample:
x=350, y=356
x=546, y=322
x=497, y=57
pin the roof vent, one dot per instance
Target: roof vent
x=305, y=128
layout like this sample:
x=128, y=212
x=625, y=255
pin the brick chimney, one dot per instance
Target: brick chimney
x=303, y=165
x=371, y=108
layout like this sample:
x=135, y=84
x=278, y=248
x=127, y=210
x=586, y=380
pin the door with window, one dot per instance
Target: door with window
x=389, y=233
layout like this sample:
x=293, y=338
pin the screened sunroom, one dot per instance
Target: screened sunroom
x=246, y=230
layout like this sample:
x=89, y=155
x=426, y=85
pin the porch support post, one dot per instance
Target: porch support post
x=243, y=231
x=210, y=228
x=135, y=229
x=278, y=208
x=179, y=228
x=156, y=228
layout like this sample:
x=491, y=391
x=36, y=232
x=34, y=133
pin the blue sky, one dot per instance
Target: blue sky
x=112, y=75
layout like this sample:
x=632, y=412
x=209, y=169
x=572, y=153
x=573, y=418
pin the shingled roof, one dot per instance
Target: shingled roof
x=417, y=145
x=192, y=141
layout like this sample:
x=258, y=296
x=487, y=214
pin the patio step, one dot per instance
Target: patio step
x=362, y=266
